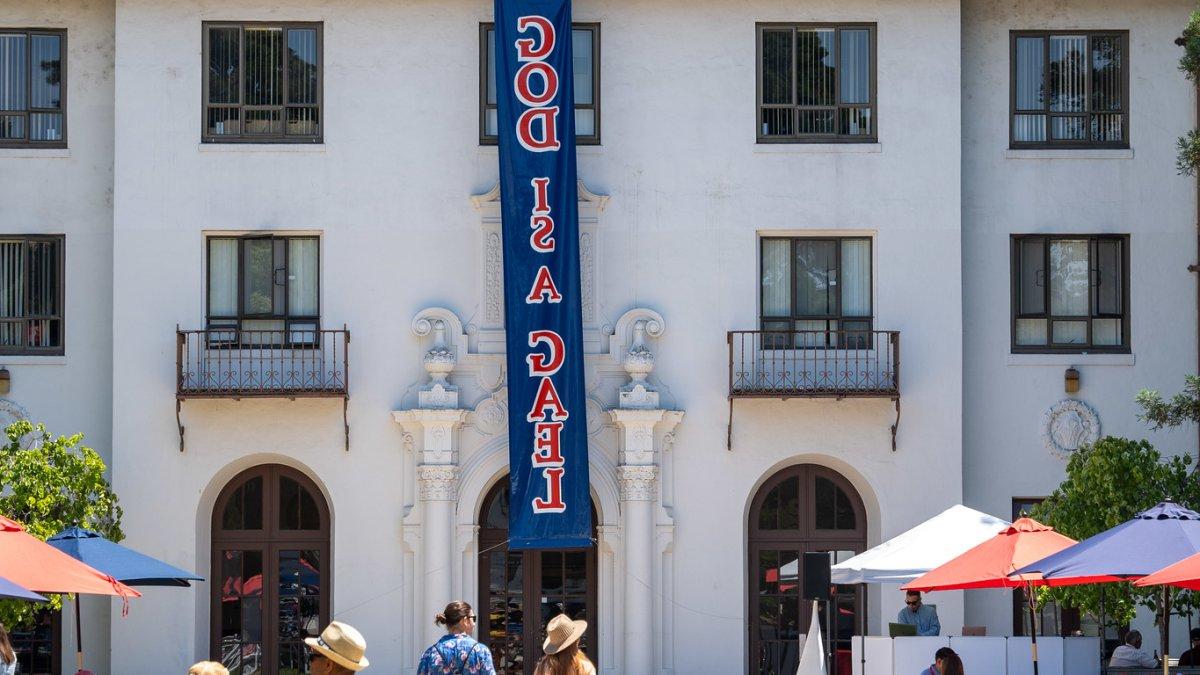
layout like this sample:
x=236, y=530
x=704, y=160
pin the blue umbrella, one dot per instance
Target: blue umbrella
x=123, y=564
x=17, y=592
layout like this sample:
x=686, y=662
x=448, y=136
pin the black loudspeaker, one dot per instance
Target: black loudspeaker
x=816, y=576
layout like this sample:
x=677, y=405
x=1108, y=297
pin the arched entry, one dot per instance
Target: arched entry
x=801, y=509
x=520, y=591
x=270, y=570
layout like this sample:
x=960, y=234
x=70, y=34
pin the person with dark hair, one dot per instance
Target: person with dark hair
x=924, y=617
x=8, y=657
x=456, y=652
x=562, y=649
x=945, y=662
x=1131, y=653
x=1192, y=656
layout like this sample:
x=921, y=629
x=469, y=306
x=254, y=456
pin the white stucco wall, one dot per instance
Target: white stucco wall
x=69, y=192
x=1136, y=193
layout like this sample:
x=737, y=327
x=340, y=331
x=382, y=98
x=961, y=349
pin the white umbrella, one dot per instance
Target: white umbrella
x=926, y=546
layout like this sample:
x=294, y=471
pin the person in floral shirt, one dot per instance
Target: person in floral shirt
x=456, y=652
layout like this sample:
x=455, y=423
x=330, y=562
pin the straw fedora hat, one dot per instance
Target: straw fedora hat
x=341, y=644
x=561, y=632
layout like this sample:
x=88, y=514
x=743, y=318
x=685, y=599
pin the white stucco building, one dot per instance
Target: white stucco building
x=983, y=193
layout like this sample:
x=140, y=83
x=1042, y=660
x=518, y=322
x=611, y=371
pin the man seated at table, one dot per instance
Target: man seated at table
x=1131, y=654
x=924, y=617
x=1192, y=656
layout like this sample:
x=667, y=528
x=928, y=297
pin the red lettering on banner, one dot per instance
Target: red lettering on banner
x=526, y=49
x=543, y=289
x=554, y=489
x=549, y=136
x=547, y=444
x=523, y=83
x=542, y=239
x=547, y=405
x=541, y=201
x=546, y=364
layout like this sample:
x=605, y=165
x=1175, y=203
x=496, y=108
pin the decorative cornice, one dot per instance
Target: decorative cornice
x=637, y=483
x=437, y=482
x=586, y=196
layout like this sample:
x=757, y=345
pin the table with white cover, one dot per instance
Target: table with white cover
x=980, y=655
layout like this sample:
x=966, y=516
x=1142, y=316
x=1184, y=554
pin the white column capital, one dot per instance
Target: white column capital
x=437, y=482
x=643, y=434
x=637, y=483
x=435, y=428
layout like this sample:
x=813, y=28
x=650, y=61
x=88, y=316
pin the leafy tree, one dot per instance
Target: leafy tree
x=1107, y=484
x=50, y=483
x=1183, y=407
x=1189, y=145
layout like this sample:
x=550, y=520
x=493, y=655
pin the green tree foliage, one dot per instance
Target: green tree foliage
x=50, y=483
x=1107, y=484
x=1189, y=145
x=1184, y=407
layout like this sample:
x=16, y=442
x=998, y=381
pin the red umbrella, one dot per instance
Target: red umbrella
x=36, y=565
x=992, y=563
x=1183, y=574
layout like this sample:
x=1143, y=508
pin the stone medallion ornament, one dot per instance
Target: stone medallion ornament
x=1068, y=425
x=11, y=412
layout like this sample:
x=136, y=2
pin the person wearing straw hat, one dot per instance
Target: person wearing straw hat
x=562, y=649
x=340, y=650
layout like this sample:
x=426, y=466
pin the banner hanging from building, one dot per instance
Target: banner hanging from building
x=550, y=505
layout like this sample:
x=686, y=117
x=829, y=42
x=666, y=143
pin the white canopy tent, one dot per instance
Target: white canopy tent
x=926, y=546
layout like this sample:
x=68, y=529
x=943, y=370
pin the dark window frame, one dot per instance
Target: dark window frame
x=760, y=137
x=269, y=541
x=484, y=106
x=795, y=316
x=60, y=300
x=242, y=314
x=205, y=105
x=1061, y=348
x=61, y=33
x=1050, y=144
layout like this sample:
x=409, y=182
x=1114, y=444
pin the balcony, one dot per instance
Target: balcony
x=814, y=364
x=284, y=363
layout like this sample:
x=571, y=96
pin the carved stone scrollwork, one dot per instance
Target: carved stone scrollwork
x=639, y=363
x=637, y=483
x=437, y=482
x=439, y=362
x=1069, y=425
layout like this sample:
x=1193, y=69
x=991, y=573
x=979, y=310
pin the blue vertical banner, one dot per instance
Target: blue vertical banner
x=550, y=505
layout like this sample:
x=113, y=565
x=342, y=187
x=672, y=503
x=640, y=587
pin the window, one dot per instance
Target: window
x=262, y=83
x=802, y=509
x=816, y=82
x=33, y=86
x=816, y=284
x=585, y=46
x=1070, y=89
x=1070, y=293
x=271, y=564
x=264, y=289
x=31, y=295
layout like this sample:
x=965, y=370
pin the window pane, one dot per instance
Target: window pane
x=856, y=277
x=12, y=127
x=776, y=277
x=13, y=72
x=43, y=278
x=46, y=65
x=1073, y=128
x=855, y=122
x=825, y=504
x=777, y=66
x=264, y=67
x=223, y=65
x=264, y=122
x=222, y=121
x=1030, y=54
x=303, y=121
x=258, y=276
x=815, y=65
x=1106, y=332
x=1029, y=128
x=585, y=122
x=816, y=277
x=817, y=121
x=1068, y=73
x=581, y=59
x=303, y=276
x=1108, y=277
x=490, y=57
x=45, y=126
x=856, y=66
x=1070, y=332
x=778, y=122
x=1031, y=332
x=222, y=277
x=1031, y=291
x=1108, y=127
x=1106, y=73
x=1069, y=278
x=302, y=65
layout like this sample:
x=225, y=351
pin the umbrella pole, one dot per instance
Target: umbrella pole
x=78, y=637
x=1103, y=635
x=1166, y=630
x=1033, y=631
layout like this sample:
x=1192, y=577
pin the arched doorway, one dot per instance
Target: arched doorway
x=801, y=509
x=270, y=571
x=514, y=585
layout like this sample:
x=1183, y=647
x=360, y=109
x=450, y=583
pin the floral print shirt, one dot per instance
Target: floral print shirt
x=455, y=654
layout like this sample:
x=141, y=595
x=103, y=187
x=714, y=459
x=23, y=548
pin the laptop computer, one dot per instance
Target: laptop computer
x=902, y=630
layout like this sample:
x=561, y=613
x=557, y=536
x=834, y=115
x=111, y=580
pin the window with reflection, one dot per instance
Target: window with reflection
x=272, y=566
x=33, y=84
x=801, y=509
x=262, y=82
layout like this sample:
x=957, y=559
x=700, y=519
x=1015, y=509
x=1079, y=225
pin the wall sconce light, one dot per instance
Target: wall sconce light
x=1071, y=380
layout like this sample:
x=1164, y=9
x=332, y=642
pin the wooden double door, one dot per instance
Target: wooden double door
x=520, y=591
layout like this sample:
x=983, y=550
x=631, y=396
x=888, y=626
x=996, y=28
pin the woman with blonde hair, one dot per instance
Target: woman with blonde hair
x=562, y=649
x=8, y=657
x=208, y=668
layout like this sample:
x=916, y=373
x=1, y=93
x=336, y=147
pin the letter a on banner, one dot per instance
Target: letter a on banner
x=550, y=505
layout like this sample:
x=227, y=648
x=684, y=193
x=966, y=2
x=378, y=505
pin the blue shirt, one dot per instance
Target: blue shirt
x=925, y=619
x=454, y=654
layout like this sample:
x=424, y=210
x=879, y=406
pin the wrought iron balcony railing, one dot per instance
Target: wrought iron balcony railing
x=232, y=363
x=818, y=363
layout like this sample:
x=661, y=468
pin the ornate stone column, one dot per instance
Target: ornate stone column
x=434, y=424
